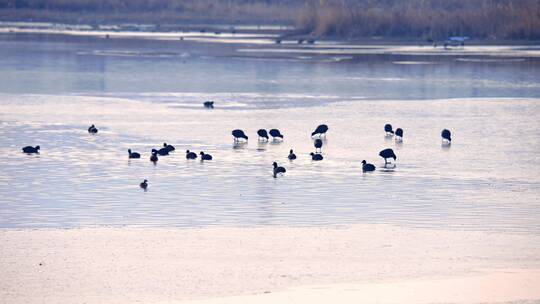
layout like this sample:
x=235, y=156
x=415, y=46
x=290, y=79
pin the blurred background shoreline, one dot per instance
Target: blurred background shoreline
x=412, y=20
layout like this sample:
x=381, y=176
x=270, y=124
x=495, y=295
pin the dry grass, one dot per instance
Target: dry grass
x=502, y=19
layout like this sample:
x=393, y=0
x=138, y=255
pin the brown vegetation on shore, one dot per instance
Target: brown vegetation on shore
x=437, y=19
x=492, y=19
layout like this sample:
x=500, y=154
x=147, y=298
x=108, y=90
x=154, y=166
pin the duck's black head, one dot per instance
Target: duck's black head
x=37, y=148
x=291, y=152
x=129, y=151
x=364, y=162
x=187, y=151
x=275, y=165
x=164, y=144
x=202, y=153
x=145, y=181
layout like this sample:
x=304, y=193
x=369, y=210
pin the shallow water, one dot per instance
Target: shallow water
x=142, y=93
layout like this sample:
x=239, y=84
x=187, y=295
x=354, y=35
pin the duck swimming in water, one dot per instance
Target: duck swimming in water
x=154, y=157
x=367, y=167
x=168, y=147
x=278, y=170
x=209, y=104
x=316, y=156
x=92, y=129
x=133, y=154
x=144, y=184
x=162, y=151
x=30, y=149
x=190, y=155
x=205, y=156
x=291, y=156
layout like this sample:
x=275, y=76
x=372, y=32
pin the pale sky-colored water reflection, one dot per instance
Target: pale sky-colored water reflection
x=487, y=180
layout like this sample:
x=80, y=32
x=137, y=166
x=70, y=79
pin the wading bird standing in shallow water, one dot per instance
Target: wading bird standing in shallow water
x=399, y=134
x=387, y=153
x=446, y=136
x=237, y=134
x=262, y=134
x=275, y=134
x=318, y=144
x=320, y=130
x=367, y=167
x=278, y=169
x=388, y=130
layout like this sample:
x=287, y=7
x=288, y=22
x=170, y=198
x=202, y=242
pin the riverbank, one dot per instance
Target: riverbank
x=151, y=265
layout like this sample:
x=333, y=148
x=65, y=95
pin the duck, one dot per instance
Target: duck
x=446, y=136
x=154, y=157
x=205, y=156
x=30, y=149
x=367, y=167
x=276, y=134
x=190, y=155
x=278, y=169
x=291, y=156
x=144, y=184
x=170, y=148
x=320, y=130
x=399, y=134
x=92, y=129
x=262, y=134
x=318, y=144
x=209, y=104
x=388, y=130
x=237, y=134
x=387, y=153
x=133, y=154
x=316, y=156
x=162, y=151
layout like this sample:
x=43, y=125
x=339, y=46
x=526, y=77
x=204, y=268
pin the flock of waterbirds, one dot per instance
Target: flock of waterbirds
x=276, y=135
